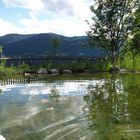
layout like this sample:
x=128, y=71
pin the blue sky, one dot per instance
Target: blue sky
x=65, y=17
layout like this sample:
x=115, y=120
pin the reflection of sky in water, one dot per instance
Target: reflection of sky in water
x=25, y=106
x=64, y=88
x=7, y=87
x=23, y=93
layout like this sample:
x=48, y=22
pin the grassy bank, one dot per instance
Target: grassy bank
x=128, y=62
x=13, y=70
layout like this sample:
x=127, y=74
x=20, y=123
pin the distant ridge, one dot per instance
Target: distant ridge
x=40, y=45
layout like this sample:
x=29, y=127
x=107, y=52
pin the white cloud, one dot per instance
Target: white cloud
x=34, y=5
x=7, y=27
x=60, y=7
x=78, y=8
x=68, y=27
x=81, y=8
x=65, y=17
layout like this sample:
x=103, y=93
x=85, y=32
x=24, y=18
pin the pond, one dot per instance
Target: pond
x=80, y=107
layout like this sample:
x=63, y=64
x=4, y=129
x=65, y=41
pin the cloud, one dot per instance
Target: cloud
x=7, y=27
x=66, y=17
x=78, y=8
x=59, y=6
x=32, y=5
x=81, y=8
x=63, y=26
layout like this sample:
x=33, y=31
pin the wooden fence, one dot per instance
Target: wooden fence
x=12, y=81
x=45, y=60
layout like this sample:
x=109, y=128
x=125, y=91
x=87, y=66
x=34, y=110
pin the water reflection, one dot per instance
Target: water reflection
x=110, y=107
x=54, y=94
x=106, y=108
x=0, y=91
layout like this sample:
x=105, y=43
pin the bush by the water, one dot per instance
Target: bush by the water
x=130, y=62
x=12, y=70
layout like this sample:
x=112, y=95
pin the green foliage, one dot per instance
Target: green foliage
x=7, y=71
x=130, y=61
x=55, y=44
x=109, y=65
x=134, y=41
x=2, y=63
x=127, y=61
x=24, y=67
x=12, y=70
x=137, y=63
x=1, y=49
x=112, y=23
x=0, y=91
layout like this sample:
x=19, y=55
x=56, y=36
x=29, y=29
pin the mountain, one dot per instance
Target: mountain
x=41, y=45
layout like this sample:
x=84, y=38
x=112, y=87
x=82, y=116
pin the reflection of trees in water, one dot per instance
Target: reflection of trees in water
x=132, y=86
x=107, y=103
x=0, y=91
x=54, y=93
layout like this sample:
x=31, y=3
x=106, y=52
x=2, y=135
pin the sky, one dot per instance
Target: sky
x=64, y=17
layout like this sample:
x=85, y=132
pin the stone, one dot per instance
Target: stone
x=42, y=71
x=122, y=70
x=27, y=74
x=87, y=70
x=53, y=71
x=50, y=109
x=66, y=71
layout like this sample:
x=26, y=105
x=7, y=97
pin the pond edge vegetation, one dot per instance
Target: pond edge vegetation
x=126, y=64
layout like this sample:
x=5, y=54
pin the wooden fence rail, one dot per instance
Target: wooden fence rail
x=43, y=60
x=12, y=81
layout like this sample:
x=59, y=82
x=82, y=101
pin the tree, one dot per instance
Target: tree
x=134, y=41
x=1, y=49
x=55, y=44
x=111, y=25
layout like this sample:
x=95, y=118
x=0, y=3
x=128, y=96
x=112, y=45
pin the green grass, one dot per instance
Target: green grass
x=12, y=70
x=130, y=62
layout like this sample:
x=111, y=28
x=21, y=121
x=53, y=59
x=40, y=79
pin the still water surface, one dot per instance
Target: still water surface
x=95, y=107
